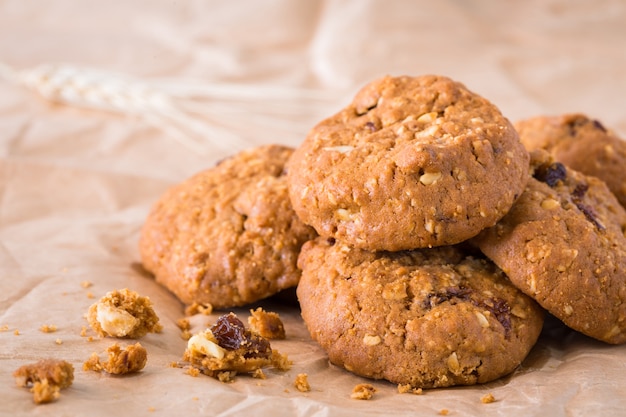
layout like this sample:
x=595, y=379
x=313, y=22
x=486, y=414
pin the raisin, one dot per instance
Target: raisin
x=551, y=174
x=231, y=334
x=498, y=307
x=229, y=331
x=257, y=347
x=599, y=126
x=577, y=198
x=580, y=191
x=590, y=214
x=449, y=294
x=370, y=126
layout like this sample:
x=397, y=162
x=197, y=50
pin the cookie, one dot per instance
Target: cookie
x=227, y=236
x=580, y=143
x=412, y=162
x=426, y=317
x=563, y=244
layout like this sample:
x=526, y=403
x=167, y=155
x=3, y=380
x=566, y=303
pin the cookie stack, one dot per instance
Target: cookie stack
x=402, y=186
x=424, y=238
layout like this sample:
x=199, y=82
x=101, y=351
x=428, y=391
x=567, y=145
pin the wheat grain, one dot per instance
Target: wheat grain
x=192, y=113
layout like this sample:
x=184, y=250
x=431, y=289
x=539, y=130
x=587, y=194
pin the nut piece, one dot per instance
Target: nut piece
x=370, y=340
x=114, y=321
x=429, y=178
x=123, y=313
x=453, y=363
x=550, y=204
x=482, y=319
x=205, y=344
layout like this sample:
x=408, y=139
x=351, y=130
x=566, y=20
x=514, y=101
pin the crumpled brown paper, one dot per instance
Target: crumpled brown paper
x=76, y=184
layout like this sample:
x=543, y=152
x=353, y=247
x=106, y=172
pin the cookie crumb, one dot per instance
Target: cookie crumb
x=83, y=331
x=4, y=328
x=45, y=378
x=16, y=332
x=192, y=372
x=123, y=313
x=266, y=324
x=444, y=412
x=302, y=383
x=363, y=392
x=408, y=389
x=58, y=341
x=199, y=308
x=90, y=295
x=259, y=374
x=86, y=284
x=48, y=328
x=120, y=361
x=185, y=326
x=487, y=398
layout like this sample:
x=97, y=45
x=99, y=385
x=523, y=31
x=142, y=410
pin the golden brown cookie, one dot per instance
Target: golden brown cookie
x=427, y=317
x=411, y=162
x=563, y=244
x=582, y=144
x=227, y=236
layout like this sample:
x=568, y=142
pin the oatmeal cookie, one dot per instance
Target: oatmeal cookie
x=227, y=236
x=580, y=143
x=412, y=162
x=563, y=244
x=427, y=318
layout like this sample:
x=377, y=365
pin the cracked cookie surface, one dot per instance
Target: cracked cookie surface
x=412, y=162
x=563, y=244
x=427, y=318
x=581, y=143
x=227, y=236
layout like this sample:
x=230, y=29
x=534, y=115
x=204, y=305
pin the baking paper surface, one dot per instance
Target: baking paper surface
x=76, y=184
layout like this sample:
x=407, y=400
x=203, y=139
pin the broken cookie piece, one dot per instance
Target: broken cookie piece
x=228, y=348
x=123, y=313
x=45, y=378
x=120, y=360
x=266, y=324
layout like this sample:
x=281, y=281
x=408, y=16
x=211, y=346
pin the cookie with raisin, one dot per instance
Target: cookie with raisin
x=581, y=143
x=426, y=318
x=563, y=244
x=227, y=236
x=411, y=162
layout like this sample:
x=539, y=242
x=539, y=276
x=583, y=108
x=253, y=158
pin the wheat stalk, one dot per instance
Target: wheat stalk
x=181, y=108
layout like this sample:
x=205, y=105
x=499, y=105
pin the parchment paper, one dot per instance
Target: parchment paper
x=76, y=184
